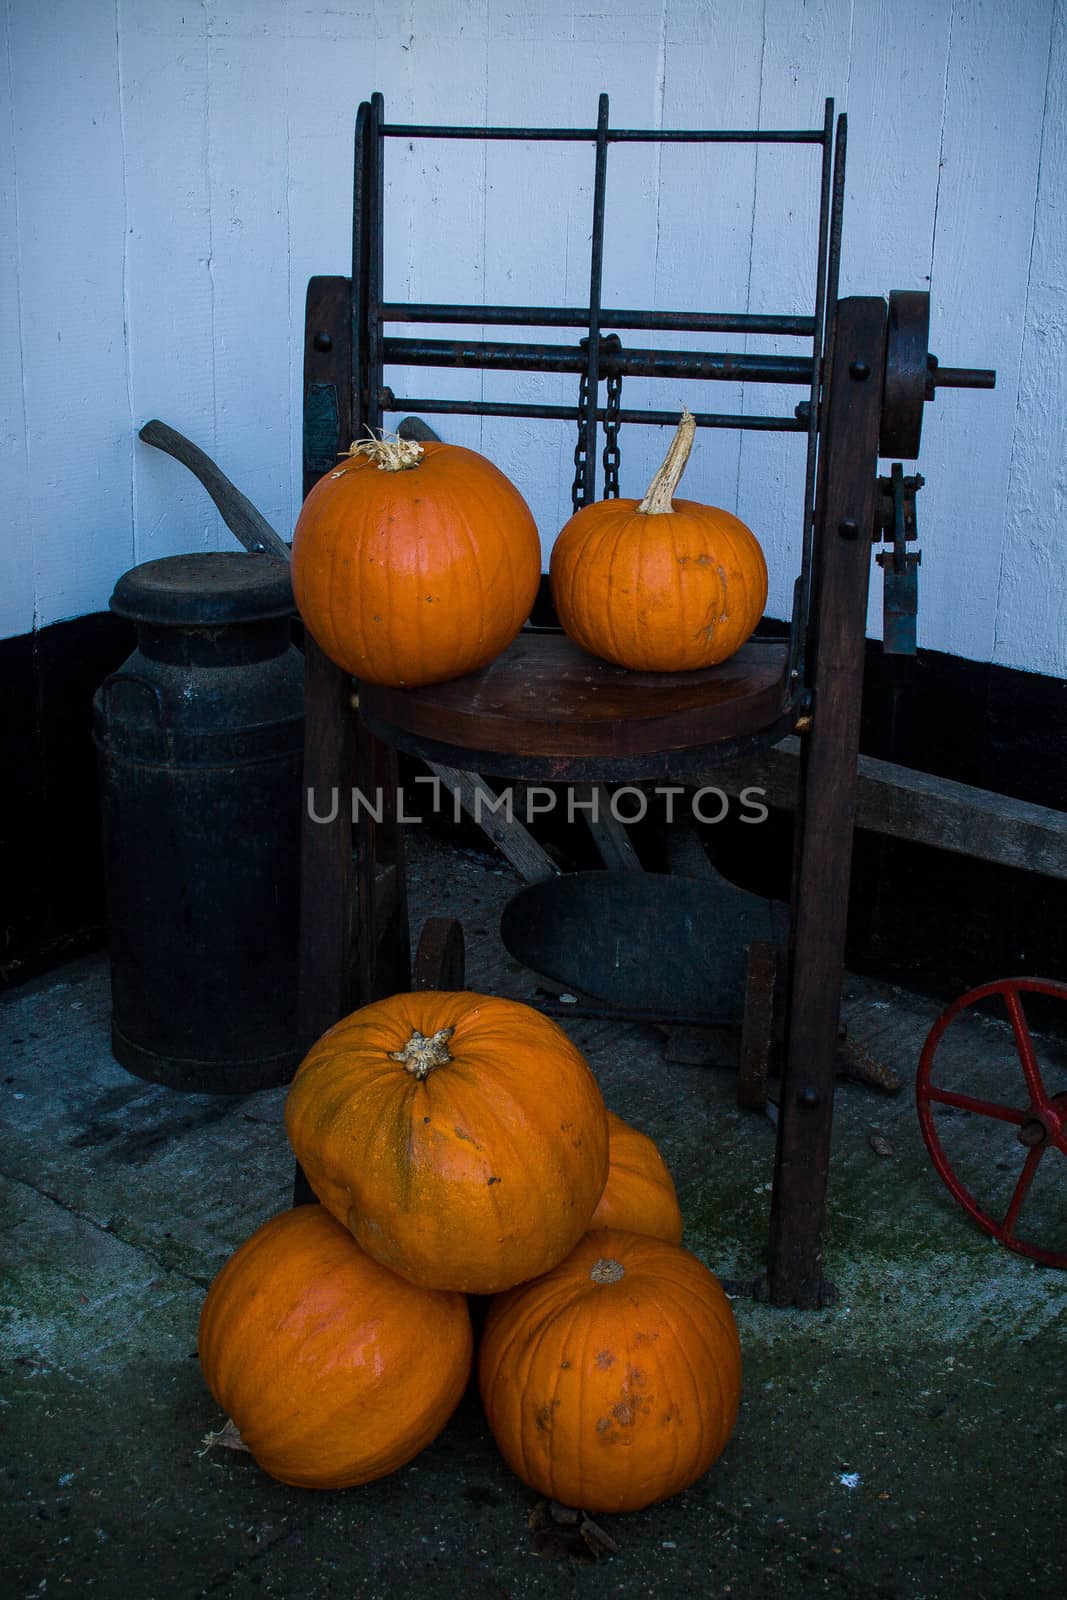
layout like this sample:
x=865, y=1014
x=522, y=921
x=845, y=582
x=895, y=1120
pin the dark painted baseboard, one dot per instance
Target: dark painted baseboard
x=53, y=879
x=928, y=920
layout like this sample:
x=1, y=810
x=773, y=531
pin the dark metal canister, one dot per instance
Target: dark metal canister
x=199, y=739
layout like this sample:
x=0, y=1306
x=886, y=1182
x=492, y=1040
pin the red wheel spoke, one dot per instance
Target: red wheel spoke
x=1011, y=1216
x=984, y=1108
x=1025, y=1046
x=1041, y=1121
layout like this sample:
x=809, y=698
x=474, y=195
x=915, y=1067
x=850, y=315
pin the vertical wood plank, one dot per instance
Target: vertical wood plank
x=170, y=290
x=805, y=58
x=72, y=220
x=990, y=150
x=248, y=183
x=1031, y=619
x=327, y=876
x=16, y=550
x=826, y=807
x=326, y=871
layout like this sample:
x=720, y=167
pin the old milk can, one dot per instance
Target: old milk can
x=199, y=738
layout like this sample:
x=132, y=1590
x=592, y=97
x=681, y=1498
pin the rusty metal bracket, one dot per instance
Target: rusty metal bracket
x=900, y=566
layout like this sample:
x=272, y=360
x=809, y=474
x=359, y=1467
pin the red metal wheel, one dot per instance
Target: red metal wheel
x=1039, y=1115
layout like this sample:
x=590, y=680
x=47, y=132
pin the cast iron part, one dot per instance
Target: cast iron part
x=913, y=375
x=647, y=944
x=900, y=566
x=199, y=737
x=1038, y=1114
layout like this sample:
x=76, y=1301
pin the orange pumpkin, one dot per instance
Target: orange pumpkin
x=639, y=1196
x=414, y=563
x=462, y=1138
x=614, y=1380
x=334, y=1370
x=662, y=585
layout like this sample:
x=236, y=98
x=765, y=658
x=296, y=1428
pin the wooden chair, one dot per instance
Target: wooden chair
x=547, y=711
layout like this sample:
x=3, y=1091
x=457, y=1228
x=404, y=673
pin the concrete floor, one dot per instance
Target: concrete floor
x=909, y=1442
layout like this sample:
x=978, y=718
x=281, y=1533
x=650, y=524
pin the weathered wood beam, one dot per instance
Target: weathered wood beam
x=908, y=804
x=505, y=830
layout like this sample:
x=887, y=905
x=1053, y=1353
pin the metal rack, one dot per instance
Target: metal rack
x=868, y=375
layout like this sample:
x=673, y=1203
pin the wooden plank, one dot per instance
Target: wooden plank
x=513, y=840
x=1031, y=622
x=804, y=57
x=613, y=842
x=907, y=804
x=326, y=874
x=977, y=319
x=71, y=434
x=826, y=809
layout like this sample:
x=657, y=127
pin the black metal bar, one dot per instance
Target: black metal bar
x=596, y=274
x=730, y=367
x=578, y=317
x=414, y=130
x=361, y=232
x=375, y=262
x=417, y=404
x=584, y=1011
x=833, y=270
x=803, y=587
x=837, y=215
x=963, y=378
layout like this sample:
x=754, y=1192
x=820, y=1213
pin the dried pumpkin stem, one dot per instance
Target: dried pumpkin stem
x=390, y=453
x=607, y=1270
x=424, y=1052
x=661, y=489
x=228, y=1436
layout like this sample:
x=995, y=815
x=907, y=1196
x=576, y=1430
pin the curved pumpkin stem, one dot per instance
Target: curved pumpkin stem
x=607, y=1270
x=228, y=1436
x=661, y=489
x=390, y=452
x=423, y=1052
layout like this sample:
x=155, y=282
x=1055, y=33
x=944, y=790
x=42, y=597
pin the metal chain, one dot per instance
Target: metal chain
x=612, y=453
x=578, y=486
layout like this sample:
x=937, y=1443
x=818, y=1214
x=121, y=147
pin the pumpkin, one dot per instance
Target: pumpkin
x=662, y=585
x=414, y=563
x=639, y=1196
x=461, y=1138
x=614, y=1380
x=333, y=1370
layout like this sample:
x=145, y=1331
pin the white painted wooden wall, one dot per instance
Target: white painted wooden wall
x=173, y=171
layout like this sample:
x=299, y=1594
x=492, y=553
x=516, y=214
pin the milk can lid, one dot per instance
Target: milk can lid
x=209, y=587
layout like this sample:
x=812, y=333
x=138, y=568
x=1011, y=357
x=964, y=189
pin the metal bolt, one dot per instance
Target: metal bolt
x=808, y=1096
x=323, y=342
x=859, y=370
x=849, y=528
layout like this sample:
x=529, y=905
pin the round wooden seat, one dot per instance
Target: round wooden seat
x=547, y=709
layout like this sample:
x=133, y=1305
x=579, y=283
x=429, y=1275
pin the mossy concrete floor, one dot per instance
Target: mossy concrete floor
x=909, y=1442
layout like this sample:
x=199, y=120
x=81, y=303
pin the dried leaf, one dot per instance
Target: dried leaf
x=599, y=1542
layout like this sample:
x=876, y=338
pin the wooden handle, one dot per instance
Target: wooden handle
x=248, y=525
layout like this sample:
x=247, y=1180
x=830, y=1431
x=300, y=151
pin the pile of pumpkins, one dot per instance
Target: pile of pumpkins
x=459, y=1145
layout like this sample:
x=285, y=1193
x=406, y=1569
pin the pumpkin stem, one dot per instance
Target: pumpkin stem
x=661, y=489
x=424, y=1052
x=228, y=1436
x=390, y=452
x=607, y=1270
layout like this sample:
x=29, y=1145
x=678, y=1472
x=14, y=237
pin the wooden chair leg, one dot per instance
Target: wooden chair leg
x=383, y=948
x=822, y=860
x=327, y=884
